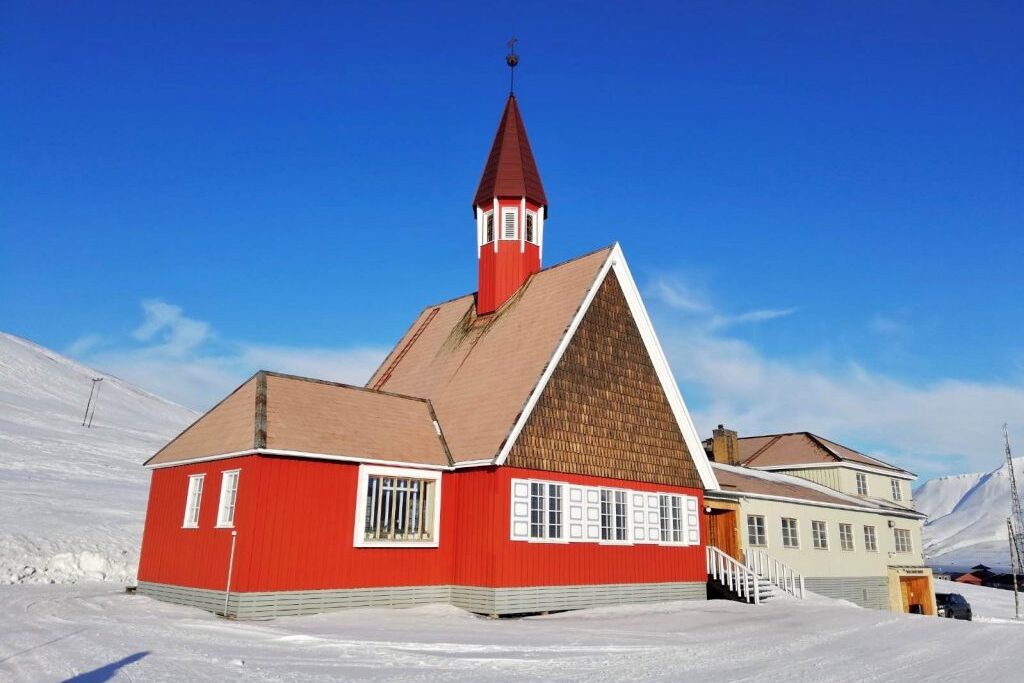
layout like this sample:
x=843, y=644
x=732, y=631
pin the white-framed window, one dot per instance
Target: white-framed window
x=546, y=510
x=397, y=506
x=613, y=515
x=870, y=539
x=488, y=235
x=670, y=518
x=846, y=536
x=531, y=227
x=902, y=538
x=228, y=495
x=819, y=535
x=508, y=224
x=790, y=533
x=193, y=501
x=897, y=490
x=755, y=531
x=862, y=484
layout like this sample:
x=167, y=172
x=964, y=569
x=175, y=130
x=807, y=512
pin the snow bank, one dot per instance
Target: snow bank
x=74, y=499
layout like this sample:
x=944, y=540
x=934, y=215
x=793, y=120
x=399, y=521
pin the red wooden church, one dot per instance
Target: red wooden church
x=521, y=449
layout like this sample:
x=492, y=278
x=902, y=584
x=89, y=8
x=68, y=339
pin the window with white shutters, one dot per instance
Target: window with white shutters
x=545, y=510
x=228, y=494
x=670, y=510
x=508, y=224
x=193, y=501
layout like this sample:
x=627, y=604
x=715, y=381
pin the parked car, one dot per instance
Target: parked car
x=953, y=606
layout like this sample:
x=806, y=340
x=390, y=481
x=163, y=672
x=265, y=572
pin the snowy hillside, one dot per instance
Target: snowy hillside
x=967, y=518
x=73, y=499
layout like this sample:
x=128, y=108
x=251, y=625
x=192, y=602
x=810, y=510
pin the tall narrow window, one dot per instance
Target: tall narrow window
x=228, y=494
x=398, y=509
x=613, y=515
x=489, y=227
x=846, y=536
x=670, y=512
x=508, y=224
x=790, y=535
x=862, y=484
x=897, y=492
x=902, y=538
x=819, y=535
x=870, y=540
x=531, y=235
x=192, y=502
x=545, y=510
x=755, y=531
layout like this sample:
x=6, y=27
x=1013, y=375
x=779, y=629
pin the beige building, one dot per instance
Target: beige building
x=833, y=520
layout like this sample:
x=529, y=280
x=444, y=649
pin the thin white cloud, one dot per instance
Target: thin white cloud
x=939, y=426
x=182, y=359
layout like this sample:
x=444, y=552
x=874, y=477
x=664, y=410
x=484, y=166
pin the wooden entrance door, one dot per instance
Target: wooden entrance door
x=914, y=591
x=721, y=532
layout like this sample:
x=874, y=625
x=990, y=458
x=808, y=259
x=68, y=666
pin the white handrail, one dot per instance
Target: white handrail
x=775, y=572
x=734, y=575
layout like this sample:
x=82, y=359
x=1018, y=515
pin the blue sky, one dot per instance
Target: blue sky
x=822, y=203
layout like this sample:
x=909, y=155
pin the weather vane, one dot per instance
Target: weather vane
x=512, y=59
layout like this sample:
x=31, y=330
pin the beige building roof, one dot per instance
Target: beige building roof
x=286, y=413
x=739, y=480
x=479, y=372
x=801, y=448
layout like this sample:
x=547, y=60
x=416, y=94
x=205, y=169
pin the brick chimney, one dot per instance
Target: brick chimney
x=725, y=446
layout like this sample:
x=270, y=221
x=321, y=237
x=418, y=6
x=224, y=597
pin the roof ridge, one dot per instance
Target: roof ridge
x=343, y=385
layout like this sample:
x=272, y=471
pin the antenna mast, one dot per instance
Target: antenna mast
x=1015, y=523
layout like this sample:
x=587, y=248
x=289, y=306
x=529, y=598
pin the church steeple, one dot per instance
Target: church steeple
x=510, y=207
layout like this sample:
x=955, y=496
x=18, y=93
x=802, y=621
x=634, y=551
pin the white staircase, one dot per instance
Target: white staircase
x=774, y=573
x=736, y=577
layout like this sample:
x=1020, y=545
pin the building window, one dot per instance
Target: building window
x=398, y=509
x=755, y=531
x=862, y=484
x=531, y=230
x=897, y=492
x=545, y=510
x=508, y=224
x=613, y=515
x=670, y=513
x=192, y=502
x=902, y=537
x=846, y=536
x=228, y=493
x=790, y=536
x=819, y=535
x=489, y=227
x=870, y=540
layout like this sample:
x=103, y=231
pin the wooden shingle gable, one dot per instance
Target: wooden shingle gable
x=608, y=404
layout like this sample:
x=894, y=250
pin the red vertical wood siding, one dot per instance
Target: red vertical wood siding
x=295, y=521
x=504, y=271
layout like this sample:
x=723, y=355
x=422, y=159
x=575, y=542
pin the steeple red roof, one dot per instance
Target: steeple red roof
x=510, y=170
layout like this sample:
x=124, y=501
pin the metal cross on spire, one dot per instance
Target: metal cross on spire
x=512, y=59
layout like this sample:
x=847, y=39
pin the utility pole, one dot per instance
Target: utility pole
x=94, y=399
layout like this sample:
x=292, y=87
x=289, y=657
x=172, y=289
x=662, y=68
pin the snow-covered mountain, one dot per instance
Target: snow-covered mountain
x=73, y=499
x=967, y=517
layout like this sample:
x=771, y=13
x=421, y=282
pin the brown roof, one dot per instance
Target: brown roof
x=479, y=371
x=801, y=448
x=737, y=480
x=510, y=170
x=287, y=413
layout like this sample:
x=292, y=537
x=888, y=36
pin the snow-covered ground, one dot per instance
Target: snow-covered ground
x=72, y=499
x=967, y=518
x=51, y=633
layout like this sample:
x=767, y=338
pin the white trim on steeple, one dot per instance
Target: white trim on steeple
x=479, y=229
x=617, y=262
x=497, y=225
x=540, y=235
x=522, y=225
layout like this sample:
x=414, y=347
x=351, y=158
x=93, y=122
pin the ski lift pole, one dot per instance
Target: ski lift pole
x=1014, y=562
x=96, y=401
x=88, y=404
